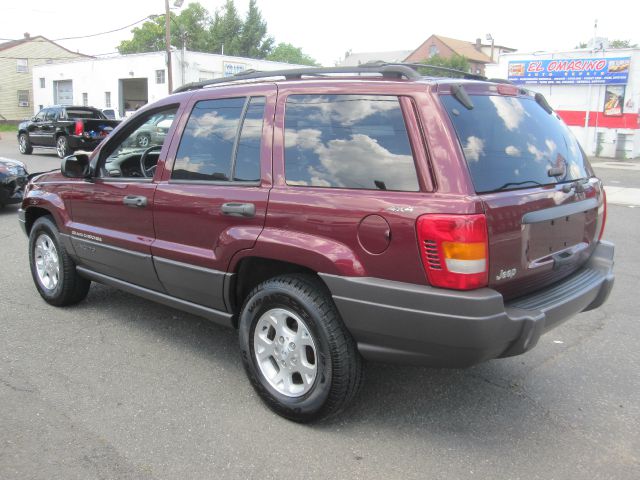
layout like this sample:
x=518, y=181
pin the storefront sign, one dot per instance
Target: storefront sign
x=571, y=71
x=230, y=68
x=614, y=101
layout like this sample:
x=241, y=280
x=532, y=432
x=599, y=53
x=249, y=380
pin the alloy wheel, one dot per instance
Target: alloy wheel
x=47, y=262
x=285, y=352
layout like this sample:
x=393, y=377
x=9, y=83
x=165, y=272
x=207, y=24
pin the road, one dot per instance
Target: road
x=121, y=388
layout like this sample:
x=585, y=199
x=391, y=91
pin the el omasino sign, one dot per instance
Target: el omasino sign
x=571, y=71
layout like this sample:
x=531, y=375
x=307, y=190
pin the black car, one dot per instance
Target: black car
x=65, y=128
x=13, y=178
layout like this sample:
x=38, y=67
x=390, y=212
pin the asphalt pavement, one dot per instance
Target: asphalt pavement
x=118, y=387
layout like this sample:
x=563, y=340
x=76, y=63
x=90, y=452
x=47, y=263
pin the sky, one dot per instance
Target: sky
x=326, y=29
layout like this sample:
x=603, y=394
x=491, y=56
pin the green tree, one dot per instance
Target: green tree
x=456, y=62
x=254, y=41
x=149, y=37
x=622, y=44
x=285, y=52
x=193, y=23
x=225, y=30
x=613, y=44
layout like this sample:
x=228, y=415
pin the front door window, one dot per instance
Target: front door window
x=137, y=154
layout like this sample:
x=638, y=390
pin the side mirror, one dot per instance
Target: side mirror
x=75, y=166
x=34, y=119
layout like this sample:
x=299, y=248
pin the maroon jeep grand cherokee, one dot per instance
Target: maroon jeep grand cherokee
x=374, y=214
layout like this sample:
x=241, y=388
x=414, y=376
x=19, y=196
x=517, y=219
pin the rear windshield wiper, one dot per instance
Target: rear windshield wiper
x=514, y=184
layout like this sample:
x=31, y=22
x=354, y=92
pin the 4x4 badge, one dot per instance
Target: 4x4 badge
x=506, y=274
x=400, y=209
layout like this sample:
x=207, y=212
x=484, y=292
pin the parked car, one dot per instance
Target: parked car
x=65, y=128
x=154, y=130
x=13, y=179
x=331, y=215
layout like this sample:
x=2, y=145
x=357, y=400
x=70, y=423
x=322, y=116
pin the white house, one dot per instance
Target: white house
x=126, y=82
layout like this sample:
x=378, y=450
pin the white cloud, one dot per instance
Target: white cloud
x=347, y=163
x=205, y=125
x=512, y=151
x=473, y=149
x=348, y=109
x=509, y=110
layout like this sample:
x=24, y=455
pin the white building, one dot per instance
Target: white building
x=596, y=92
x=126, y=82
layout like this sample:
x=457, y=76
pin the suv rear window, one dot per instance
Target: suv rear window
x=348, y=141
x=512, y=142
x=85, y=113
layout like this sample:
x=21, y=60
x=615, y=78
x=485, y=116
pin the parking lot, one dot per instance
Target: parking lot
x=121, y=388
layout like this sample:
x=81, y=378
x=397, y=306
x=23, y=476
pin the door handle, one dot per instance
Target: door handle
x=238, y=209
x=135, y=201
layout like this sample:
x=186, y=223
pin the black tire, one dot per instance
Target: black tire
x=339, y=366
x=143, y=140
x=24, y=144
x=70, y=287
x=62, y=146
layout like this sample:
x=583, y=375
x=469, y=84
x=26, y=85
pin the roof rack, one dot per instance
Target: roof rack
x=465, y=75
x=386, y=70
x=389, y=70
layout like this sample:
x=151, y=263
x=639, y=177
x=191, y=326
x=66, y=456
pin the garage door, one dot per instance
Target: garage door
x=63, y=92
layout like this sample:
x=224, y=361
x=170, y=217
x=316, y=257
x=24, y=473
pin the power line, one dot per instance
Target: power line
x=78, y=37
x=101, y=33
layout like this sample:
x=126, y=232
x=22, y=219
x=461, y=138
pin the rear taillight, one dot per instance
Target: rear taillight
x=79, y=127
x=454, y=250
x=602, y=215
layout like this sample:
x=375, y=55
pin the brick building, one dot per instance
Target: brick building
x=478, y=54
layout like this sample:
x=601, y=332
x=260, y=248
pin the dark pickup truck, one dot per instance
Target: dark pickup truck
x=65, y=128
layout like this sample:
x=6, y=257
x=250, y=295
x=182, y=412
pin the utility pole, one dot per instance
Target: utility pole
x=490, y=37
x=167, y=35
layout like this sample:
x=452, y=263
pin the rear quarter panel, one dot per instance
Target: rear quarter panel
x=320, y=227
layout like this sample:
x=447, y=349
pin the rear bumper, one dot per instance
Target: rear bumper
x=407, y=323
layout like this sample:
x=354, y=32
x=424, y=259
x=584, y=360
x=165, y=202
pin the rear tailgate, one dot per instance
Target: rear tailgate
x=543, y=204
x=98, y=128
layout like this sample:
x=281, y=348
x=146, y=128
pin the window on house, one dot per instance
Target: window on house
x=22, y=65
x=159, y=76
x=107, y=99
x=41, y=82
x=23, y=98
x=85, y=99
x=433, y=50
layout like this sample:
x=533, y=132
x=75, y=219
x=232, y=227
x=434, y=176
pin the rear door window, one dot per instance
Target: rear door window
x=512, y=142
x=348, y=141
